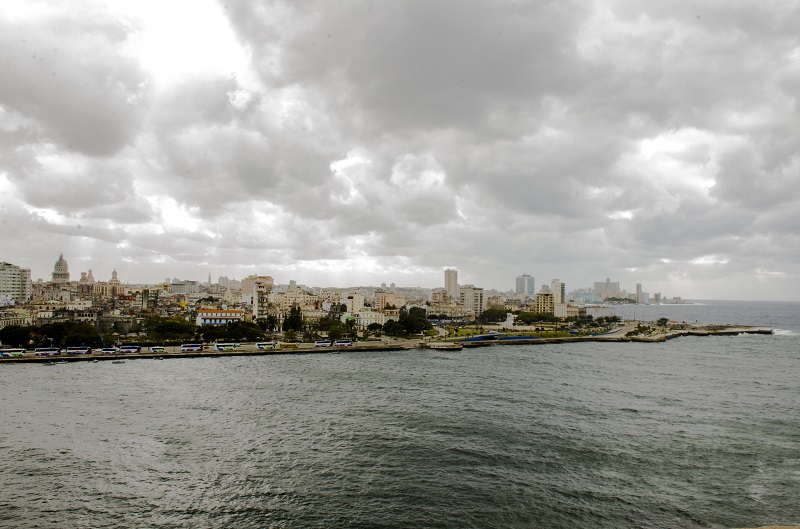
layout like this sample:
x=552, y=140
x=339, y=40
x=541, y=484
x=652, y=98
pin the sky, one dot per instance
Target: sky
x=362, y=142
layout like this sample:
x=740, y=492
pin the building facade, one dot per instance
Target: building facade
x=451, y=283
x=558, y=288
x=61, y=271
x=607, y=289
x=525, y=285
x=219, y=316
x=473, y=299
x=15, y=284
x=544, y=303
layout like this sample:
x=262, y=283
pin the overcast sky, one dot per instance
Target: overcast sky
x=355, y=143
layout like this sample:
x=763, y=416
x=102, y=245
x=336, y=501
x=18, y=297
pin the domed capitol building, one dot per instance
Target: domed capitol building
x=61, y=270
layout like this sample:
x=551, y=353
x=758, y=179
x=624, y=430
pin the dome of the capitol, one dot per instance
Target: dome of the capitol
x=61, y=270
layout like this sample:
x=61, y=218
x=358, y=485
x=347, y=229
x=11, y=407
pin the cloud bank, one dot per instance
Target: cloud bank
x=363, y=142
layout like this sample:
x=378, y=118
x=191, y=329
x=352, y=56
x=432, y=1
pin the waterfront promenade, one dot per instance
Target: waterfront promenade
x=620, y=334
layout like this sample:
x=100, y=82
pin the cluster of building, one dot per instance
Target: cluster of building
x=120, y=306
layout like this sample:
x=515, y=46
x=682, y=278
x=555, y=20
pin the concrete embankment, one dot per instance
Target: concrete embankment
x=620, y=335
x=244, y=350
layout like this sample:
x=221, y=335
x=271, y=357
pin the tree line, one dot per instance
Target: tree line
x=158, y=329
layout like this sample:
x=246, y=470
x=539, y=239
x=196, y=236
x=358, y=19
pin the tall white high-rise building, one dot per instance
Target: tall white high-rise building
x=559, y=291
x=451, y=283
x=639, y=297
x=525, y=285
x=15, y=283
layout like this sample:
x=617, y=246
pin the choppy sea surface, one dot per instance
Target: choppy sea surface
x=694, y=432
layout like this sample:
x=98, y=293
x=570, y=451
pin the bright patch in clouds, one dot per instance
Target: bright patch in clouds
x=709, y=260
x=179, y=38
x=621, y=215
x=175, y=216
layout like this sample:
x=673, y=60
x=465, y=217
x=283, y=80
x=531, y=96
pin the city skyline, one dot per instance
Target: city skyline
x=15, y=276
x=362, y=143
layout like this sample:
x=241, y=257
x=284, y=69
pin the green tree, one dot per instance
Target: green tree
x=326, y=322
x=172, y=328
x=245, y=331
x=493, y=315
x=81, y=333
x=15, y=335
x=294, y=320
x=529, y=318
x=335, y=332
x=214, y=333
x=393, y=328
x=414, y=320
x=350, y=329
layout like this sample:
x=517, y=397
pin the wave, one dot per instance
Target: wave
x=784, y=332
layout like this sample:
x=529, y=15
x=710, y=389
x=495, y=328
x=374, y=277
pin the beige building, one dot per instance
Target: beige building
x=451, y=283
x=565, y=310
x=383, y=298
x=253, y=282
x=544, y=303
x=293, y=295
x=354, y=302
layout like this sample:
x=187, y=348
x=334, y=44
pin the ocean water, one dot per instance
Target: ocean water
x=694, y=432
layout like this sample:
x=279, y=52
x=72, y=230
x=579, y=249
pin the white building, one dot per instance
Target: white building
x=473, y=299
x=568, y=310
x=218, y=316
x=15, y=283
x=185, y=287
x=367, y=317
x=596, y=311
x=559, y=291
